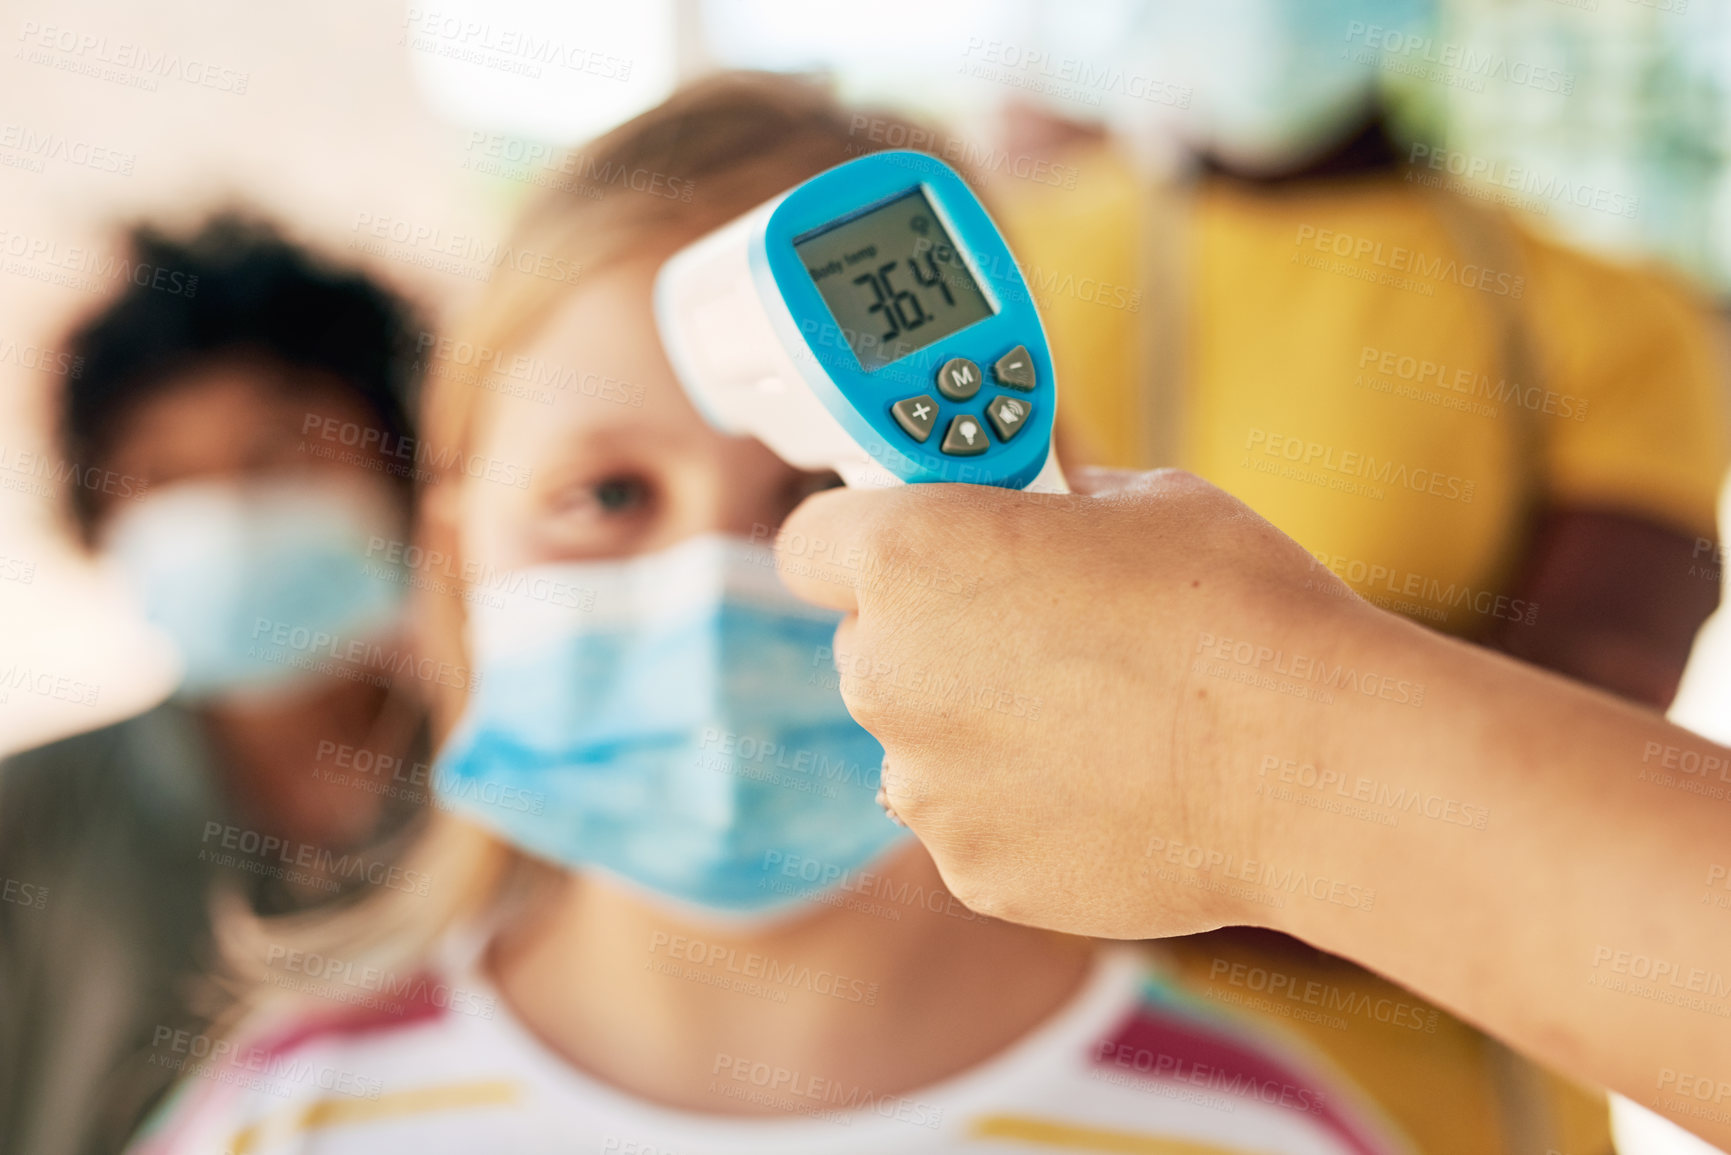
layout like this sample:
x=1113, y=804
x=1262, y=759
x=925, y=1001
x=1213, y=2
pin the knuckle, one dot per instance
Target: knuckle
x=862, y=699
x=894, y=553
x=973, y=893
x=906, y=792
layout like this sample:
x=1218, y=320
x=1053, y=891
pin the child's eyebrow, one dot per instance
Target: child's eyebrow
x=612, y=440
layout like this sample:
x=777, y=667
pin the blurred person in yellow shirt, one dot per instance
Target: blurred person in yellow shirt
x=1494, y=434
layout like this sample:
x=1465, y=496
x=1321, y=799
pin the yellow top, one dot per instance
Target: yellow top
x=1449, y=1087
x=1391, y=374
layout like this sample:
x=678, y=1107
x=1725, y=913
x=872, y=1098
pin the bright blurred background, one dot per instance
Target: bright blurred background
x=403, y=137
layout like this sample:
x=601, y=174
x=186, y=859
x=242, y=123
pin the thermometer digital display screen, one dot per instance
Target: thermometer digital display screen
x=893, y=279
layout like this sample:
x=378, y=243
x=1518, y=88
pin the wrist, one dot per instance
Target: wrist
x=1280, y=773
x=1387, y=789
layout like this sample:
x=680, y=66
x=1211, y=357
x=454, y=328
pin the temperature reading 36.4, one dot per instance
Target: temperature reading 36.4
x=893, y=279
x=901, y=309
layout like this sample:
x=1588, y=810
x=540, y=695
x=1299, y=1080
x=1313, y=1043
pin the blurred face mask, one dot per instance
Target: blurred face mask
x=673, y=721
x=1277, y=80
x=254, y=580
x=1266, y=84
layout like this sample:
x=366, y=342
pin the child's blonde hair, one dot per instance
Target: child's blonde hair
x=715, y=149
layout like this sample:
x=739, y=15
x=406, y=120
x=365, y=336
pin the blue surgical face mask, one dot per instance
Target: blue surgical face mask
x=671, y=720
x=252, y=581
x=1264, y=85
x=1276, y=81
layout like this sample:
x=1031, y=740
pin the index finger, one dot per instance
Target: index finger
x=824, y=545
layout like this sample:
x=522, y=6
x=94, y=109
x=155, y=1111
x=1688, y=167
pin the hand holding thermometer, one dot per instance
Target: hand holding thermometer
x=870, y=321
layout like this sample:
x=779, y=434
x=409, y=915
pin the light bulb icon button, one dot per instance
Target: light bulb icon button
x=966, y=437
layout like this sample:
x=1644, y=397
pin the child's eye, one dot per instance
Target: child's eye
x=621, y=494
x=612, y=496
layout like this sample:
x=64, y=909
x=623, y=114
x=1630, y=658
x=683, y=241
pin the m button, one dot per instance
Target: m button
x=959, y=379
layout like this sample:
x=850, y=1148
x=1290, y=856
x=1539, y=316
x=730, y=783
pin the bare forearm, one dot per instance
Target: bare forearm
x=1555, y=879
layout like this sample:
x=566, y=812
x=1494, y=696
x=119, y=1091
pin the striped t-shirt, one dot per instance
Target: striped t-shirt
x=1131, y=1064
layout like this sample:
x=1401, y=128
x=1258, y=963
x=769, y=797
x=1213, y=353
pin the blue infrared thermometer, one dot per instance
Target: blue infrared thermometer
x=871, y=321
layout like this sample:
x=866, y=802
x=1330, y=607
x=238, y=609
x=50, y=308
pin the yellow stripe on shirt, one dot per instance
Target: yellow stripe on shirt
x=336, y=1112
x=1046, y=1133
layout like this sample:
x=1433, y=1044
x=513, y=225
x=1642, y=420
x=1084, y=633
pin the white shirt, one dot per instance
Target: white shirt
x=1129, y=1065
